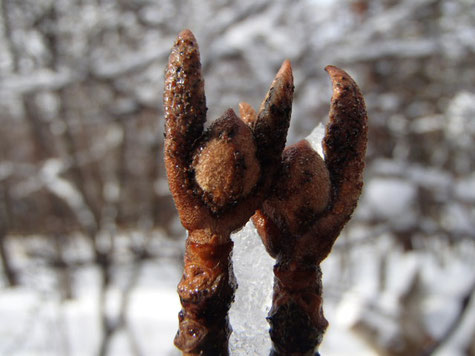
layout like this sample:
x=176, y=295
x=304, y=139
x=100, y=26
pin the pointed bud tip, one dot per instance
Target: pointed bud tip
x=247, y=112
x=281, y=90
x=186, y=35
x=230, y=112
x=245, y=107
x=285, y=71
x=333, y=71
x=339, y=75
x=340, y=79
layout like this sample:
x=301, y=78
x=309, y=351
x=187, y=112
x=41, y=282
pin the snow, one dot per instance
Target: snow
x=40, y=80
x=460, y=124
x=315, y=138
x=458, y=219
x=440, y=284
x=389, y=197
x=350, y=299
x=129, y=62
x=465, y=189
x=64, y=189
x=72, y=327
x=391, y=200
x=253, y=299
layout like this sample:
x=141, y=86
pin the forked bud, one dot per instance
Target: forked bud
x=309, y=206
x=218, y=178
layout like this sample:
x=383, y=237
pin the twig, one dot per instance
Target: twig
x=8, y=271
x=217, y=178
x=301, y=219
x=468, y=297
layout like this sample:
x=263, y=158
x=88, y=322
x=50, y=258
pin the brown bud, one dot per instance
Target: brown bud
x=302, y=191
x=309, y=205
x=218, y=178
x=248, y=114
x=225, y=164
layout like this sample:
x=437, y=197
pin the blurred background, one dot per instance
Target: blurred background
x=90, y=243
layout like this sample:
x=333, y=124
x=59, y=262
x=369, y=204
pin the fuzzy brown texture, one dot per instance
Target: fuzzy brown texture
x=185, y=114
x=218, y=178
x=294, y=202
x=226, y=167
x=269, y=124
x=247, y=112
x=306, y=212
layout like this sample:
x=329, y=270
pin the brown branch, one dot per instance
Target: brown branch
x=217, y=179
x=309, y=206
x=8, y=271
x=466, y=299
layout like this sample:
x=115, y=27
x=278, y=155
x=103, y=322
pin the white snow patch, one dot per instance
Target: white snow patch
x=253, y=268
x=390, y=199
x=315, y=138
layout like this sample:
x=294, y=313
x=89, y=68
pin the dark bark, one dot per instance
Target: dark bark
x=8, y=270
x=206, y=292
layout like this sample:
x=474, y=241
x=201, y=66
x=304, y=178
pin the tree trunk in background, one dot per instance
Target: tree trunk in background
x=8, y=271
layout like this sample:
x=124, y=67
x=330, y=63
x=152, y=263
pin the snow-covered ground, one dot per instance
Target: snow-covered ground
x=37, y=322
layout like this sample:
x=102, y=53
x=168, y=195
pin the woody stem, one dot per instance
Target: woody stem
x=296, y=318
x=206, y=292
